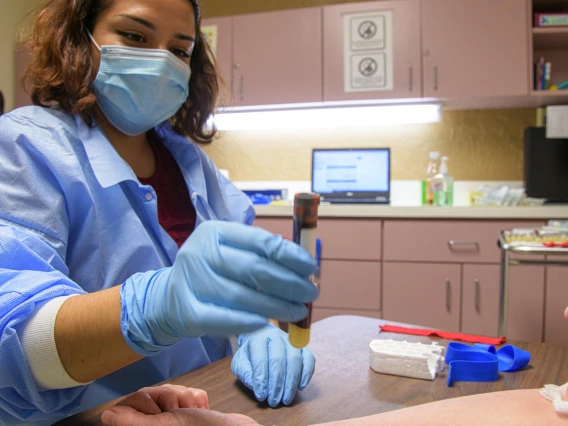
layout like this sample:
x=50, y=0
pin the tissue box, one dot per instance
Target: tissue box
x=402, y=358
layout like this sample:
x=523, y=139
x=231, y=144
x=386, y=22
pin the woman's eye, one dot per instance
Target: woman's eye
x=136, y=38
x=180, y=53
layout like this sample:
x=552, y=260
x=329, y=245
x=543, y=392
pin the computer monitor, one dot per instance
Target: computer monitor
x=352, y=175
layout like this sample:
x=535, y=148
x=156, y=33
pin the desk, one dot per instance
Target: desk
x=344, y=386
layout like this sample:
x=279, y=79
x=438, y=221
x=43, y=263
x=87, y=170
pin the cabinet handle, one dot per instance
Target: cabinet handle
x=448, y=294
x=477, y=295
x=453, y=243
x=435, y=77
x=241, y=87
x=410, y=79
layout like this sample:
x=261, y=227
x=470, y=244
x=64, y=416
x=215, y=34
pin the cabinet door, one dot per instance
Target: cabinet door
x=480, y=301
x=277, y=57
x=350, y=285
x=556, y=326
x=223, y=50
x=475, y=48
x=526, y=303
x=422, y=294
x=406, y=50
x=277, y=226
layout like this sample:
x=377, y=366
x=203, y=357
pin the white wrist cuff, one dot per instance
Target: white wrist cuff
x=37, y=336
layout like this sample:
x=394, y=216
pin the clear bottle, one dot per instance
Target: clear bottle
x=443, y=186
x=427, y=184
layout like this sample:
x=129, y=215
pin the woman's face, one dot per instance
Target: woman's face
x=149, y=24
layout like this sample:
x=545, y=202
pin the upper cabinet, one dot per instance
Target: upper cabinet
x=367, y=42
x=277, y=57
x=222, y=45
x=475, y=48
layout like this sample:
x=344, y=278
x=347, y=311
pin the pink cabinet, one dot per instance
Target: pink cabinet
x=556, y=326
x=480, y=300
x=321, y=313
x=445, y=240
x=475, y=48
x=277, y=57
x=526, y=303
x=406, y=50
x=278, y=226
x=350, y=285
x=223, y=55
x=356, y=239
x=422, y=294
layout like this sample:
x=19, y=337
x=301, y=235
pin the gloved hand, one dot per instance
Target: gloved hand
x=227, y=279
x=266, y=363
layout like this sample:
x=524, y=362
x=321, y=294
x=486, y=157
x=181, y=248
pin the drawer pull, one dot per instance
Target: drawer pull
x=477, y=295
x=448, y=294
x=452, y=243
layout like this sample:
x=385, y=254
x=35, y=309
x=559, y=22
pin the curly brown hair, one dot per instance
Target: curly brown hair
x=61, y=69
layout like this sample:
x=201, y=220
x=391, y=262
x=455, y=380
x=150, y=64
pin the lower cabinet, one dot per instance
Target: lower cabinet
x=347, y=284
x=556, y=326
x=480, y=302
x=422, y=294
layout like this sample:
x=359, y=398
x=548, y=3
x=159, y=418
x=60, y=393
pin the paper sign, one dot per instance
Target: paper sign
x=210, y=33
x=368, y=52
x=557, y=122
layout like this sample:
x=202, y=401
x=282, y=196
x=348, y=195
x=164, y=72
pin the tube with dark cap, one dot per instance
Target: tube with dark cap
x=305, y=230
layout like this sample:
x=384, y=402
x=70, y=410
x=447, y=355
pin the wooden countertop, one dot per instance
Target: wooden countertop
x=344, y=386
x=400, y=212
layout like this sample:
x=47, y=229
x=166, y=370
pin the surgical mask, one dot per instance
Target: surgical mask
x=137, y=89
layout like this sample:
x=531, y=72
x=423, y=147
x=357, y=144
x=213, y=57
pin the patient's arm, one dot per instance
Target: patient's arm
x=519, y=408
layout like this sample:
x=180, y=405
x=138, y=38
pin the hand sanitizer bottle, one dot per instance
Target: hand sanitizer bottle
x=428, y=183
x=443, y=186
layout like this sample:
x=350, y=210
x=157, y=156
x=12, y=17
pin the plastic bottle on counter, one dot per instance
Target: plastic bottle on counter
x=427, y=184
x=443, y=186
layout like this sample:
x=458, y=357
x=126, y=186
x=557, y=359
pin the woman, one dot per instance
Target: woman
x=125, y=257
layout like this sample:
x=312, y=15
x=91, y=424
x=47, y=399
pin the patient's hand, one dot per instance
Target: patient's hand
x=128, y=416
x=170, y=405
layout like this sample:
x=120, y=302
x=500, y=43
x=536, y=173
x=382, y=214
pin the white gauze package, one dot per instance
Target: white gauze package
x=402, y=358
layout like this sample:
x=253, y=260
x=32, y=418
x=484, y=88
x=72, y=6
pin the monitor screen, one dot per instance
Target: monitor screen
x=351, y=170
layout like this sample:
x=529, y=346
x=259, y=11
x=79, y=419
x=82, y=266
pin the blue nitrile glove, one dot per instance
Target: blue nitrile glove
x=269, y=365
x=227, y=279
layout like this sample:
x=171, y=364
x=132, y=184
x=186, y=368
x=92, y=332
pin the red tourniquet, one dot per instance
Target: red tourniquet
x=176, y=213
x=470, y=338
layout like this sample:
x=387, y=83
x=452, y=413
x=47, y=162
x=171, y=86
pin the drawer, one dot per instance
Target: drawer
x=350, y=239
x=321, y=313
x=446, y=241
x=349, y=284
x=278, y=226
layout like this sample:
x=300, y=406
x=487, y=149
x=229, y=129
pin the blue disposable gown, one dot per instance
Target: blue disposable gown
x=74, y=219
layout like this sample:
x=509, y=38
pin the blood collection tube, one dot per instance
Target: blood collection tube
x=305, y=229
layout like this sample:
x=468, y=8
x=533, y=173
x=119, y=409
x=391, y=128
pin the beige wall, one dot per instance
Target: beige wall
x=481, y=145
x=12, y=14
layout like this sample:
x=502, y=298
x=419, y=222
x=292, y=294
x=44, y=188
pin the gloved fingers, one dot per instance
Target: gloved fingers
x=233, y=295
x=267, y=276
x=277, y=370
x=308, y=368
x=222, y=321
x=258, y=350
x=263, y=243
x=293, y=373
x=241, y=366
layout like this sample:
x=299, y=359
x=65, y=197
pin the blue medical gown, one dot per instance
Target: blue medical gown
x=74, y=219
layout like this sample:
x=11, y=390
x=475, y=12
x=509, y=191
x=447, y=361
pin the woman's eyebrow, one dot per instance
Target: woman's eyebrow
x=147, y=24
x=151, y=26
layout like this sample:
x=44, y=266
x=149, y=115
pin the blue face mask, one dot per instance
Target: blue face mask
x=137, y=89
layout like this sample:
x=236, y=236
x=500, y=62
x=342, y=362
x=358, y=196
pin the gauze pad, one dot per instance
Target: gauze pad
x=556, y=395
x=402, y=358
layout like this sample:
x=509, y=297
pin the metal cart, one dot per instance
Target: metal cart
x=506, y=261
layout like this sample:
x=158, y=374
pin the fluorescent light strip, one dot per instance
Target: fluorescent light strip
x=362, y=116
